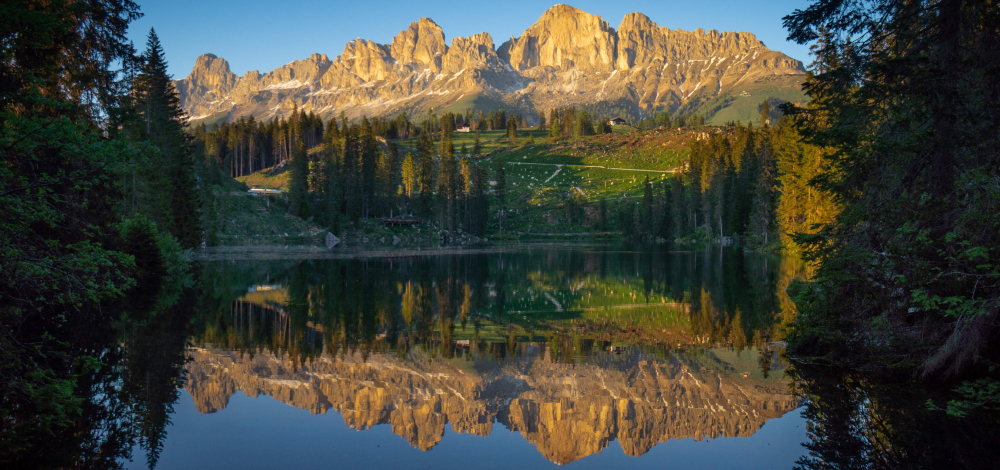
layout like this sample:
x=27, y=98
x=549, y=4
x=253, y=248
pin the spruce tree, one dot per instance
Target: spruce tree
x=368, y=152
x=333, y=192
x=350, y=171
x=647, y=209
x=678, y=206
x=479, y=203
x=667, y=223
x=298, y=181
x=409, y=179
x=160, y=120
x=900, y=104
x=765, y=113
x=425, y=174
x=501, y=194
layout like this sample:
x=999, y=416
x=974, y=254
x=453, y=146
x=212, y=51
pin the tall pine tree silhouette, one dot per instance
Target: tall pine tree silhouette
x=159, y=119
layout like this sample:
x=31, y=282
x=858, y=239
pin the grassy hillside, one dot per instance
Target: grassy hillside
x=542, y=177
x=476, y=101
x=245, y=219
x=742, y=102
x=271, y=178
x=747, y=108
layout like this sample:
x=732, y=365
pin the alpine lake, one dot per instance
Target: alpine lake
x=523, y=356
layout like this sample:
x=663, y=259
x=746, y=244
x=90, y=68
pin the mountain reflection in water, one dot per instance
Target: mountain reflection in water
x=552, y=352
x=568, y=411
x=573, y=348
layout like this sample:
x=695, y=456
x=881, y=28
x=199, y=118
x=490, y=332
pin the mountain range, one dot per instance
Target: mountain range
x=567, y=58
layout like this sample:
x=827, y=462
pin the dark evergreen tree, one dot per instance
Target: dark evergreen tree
x=667, y=225
x=647, y=222
x=425, y=175
x=298, y=181
x=369, y=154
x=899, y=102
x=160, y=120
x=480, y=206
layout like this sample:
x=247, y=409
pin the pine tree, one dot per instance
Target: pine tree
x=448, y=185
x=802, y=207
x=298, y=181
x=478, y=202
x=647, y=209
x=555, y=129
x=765, y=113
x=666, y=227
x=409, y=179
x=369, y=164
x=678, y=207
x=393, y=178
x=477, y=147
x=583, y=126
x=466, y=170
x=160, y=120
x=626, y=218
x=425, y=174
x=899, y=103
x=350, y=172
x=333, y=189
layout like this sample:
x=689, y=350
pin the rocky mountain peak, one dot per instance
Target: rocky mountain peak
x=367, y=60
x=471, y=52
x=564, y=38
x=209, y=80
x=566, y=58
x=211, y=67
x=421, y=44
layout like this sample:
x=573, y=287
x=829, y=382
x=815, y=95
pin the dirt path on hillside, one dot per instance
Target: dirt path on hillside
x=672, y=170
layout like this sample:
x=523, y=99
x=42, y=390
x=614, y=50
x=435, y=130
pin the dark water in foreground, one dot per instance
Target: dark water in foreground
x=592, y=357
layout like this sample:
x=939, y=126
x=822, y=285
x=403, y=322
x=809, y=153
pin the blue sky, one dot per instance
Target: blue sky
x=264, y=35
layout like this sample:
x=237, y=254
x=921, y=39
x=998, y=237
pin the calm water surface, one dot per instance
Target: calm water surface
x=543, y=355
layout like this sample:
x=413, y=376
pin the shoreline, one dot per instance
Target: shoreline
x=274, y=252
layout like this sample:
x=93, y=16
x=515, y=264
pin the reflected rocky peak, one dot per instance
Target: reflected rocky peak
x=571, y=348
x=569, y=411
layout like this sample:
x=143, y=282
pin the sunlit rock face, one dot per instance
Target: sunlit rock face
x=568, y=57
x=569, y=411
x=563, y=38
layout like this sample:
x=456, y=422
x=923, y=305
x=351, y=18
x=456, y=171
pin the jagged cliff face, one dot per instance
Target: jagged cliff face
x=568, y=57
x=563, y=38
x=567, y=411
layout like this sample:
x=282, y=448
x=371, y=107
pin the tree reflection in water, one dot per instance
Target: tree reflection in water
x=860, y=420
x=572, y=347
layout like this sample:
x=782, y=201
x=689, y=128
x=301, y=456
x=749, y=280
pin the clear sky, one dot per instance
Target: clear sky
x=264, y=35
